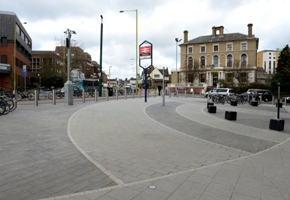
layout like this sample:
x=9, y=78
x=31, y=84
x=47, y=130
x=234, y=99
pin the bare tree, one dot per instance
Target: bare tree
x=191, y=71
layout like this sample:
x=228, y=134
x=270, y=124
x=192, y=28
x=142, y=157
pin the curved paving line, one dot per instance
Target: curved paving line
x=168, y=116
x=103, y=169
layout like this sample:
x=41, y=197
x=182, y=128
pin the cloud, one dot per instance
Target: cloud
x=159, y=22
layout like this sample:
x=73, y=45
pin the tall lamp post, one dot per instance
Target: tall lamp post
x=101, y=54
x=121, y=11
x=177, y=41
x=68, y=86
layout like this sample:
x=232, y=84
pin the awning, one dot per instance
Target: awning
x=5, y=68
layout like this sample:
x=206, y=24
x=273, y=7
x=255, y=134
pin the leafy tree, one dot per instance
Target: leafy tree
x=283, y=70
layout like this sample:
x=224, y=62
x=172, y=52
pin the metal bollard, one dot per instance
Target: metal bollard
x=169, y=93
x=140, y=93
x=84, y=99
x=133, y=93
x=53, y=97
x=125, y=93
x=148, y=92
x=185, y=93
x=96, y=95
x=107, y=95
x=273, y=100
x=116, y=93
x=154, y=93
x=36, y=97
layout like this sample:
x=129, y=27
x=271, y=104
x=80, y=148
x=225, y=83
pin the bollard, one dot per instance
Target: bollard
x=84, y=100
x=148, y=92
x=154, y=93
x=36, y=97
x=140, y=93
x=169, y=93
x=116, y=93
x=273, y=100
x=96, y=95
x=125, y=93
x=133, y=94
x=53, y=97
x=185, y=93
x=107, y=95
x=200, y=94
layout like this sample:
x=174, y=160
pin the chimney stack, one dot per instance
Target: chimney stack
x=250, y=30
x=213, y=32
x=221, y=31
x=185, y=36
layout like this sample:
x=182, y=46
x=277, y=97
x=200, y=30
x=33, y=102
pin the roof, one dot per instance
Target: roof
x=225, y=38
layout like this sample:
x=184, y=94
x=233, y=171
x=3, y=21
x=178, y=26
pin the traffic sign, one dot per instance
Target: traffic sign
x=24, y=71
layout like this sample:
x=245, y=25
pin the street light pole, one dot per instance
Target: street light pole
x=68, y=85
x=101, y=54
x=136, y=44
x=177, y=41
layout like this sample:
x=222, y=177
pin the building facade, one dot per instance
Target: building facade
x=15, y=51
x=207, y=60
x=268, y=60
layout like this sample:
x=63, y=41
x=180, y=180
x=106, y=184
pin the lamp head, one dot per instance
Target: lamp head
x=121, y=11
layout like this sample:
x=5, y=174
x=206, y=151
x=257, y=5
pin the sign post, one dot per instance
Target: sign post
x=24, y=74
x=145, y=54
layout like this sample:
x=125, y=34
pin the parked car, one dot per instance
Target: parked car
x=266, y=94
x=222, y=91
x=287, y=99
x=210, y=92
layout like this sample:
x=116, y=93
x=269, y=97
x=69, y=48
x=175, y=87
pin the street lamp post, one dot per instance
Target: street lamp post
x=136, y=44
x=177, y=41
x=68, y=85
x=101, y=54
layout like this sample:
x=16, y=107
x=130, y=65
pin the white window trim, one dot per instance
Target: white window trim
x=204, y=48
x=232, y=46
x=242, y=46
x=213, y=47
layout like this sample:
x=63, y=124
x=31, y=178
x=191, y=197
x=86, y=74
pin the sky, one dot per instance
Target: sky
x=159, y=22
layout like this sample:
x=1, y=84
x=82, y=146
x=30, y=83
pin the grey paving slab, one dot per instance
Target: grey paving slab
x=117, y=149
x=37, y=158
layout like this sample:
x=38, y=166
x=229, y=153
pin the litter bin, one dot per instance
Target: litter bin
x=110, y=91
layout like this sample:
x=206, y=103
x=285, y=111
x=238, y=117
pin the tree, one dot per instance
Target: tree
x=191, y=71
x=283, y=70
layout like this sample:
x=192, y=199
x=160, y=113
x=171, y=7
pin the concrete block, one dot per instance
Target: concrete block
x=276, y=124
x=231, y=115
x=211, y=109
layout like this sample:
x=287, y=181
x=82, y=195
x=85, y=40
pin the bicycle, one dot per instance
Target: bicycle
x=24, y=95
x=44, y=94
x=7, y=102
x=253, y=98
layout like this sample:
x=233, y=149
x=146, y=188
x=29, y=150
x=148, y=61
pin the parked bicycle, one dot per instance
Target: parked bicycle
x=44, y=94
x=24, y=95
x=252, y=98
x=7, y=102
x=217, y=99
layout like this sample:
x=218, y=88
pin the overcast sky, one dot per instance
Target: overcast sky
x=159, y=22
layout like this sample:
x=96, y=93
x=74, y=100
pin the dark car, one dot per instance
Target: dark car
x=266, y=94
x=287, y=99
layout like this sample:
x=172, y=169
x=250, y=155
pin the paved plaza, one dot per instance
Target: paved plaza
x=128, y=149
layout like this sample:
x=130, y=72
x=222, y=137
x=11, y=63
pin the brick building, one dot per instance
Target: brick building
x=15, y=51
